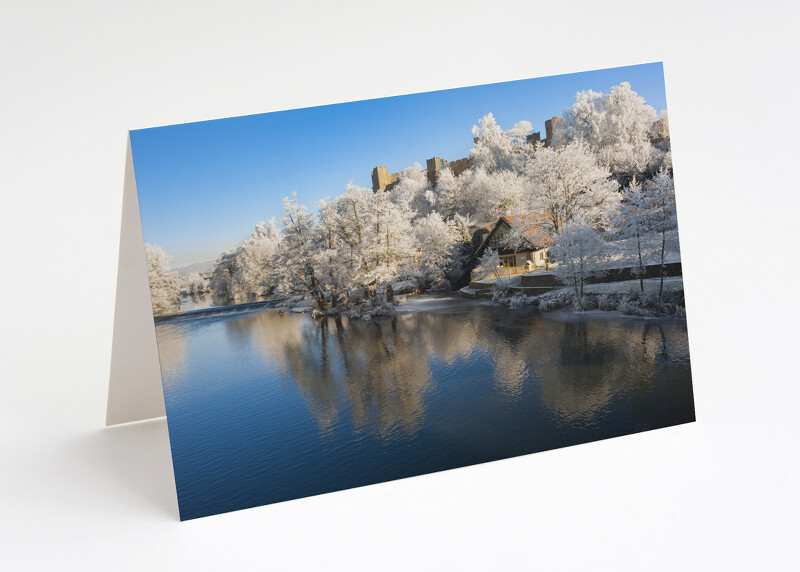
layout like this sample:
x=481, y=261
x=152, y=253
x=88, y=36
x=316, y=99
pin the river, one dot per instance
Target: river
x=267, y=405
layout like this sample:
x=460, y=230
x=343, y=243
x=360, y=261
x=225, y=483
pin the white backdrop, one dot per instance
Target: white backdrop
x=717, y=494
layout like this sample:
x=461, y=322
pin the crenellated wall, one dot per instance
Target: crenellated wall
x=383, y=180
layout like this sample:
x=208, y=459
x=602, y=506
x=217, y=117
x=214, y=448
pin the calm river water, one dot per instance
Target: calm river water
x=265, y=406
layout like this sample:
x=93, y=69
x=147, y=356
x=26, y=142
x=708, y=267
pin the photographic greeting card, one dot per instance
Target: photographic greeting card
x=355, y=293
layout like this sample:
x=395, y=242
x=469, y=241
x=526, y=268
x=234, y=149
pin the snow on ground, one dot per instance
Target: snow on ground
x=514, y=280
x=622, y=296
x=671, y=284
x=620, y=260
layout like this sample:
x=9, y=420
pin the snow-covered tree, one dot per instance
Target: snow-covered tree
x=616, y=125
x=370, y=242
x=489, y=264
x=567, y=183
x=660, y=129
x=394, y=244
x=436, y=240
x=494, y=148
x=328, y=260
x=461, y=227
x=243, y=273
x=579, y=253
x=413, y=191
x=255, y=255
x=485, y=196
x=194, y=284
x=660, y=193
x=463, y=251
x=293, y=267
x=634, y=225
x=447, y=193
x=164, y=284
x=224, y=267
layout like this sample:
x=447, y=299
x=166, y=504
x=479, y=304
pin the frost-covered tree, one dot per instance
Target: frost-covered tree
x=660, y=193
x=567, y=183
x=489, y=263
x=494, y=148
x=350, y=223
x=447, y=193
x=436, y=240
x=370, y=242
x=616, y=125
x=463, y=251
x=579, y=253
x=635, y=229
x=461, y=227
x=660, y=129
x=255, y=256
x=485, y=196
x=413, y=191
x=194, y=284
x=243, y=273
x=164, y=284
x=224, y=267
x=294, y=271
x=328, y=260
x=395, y=245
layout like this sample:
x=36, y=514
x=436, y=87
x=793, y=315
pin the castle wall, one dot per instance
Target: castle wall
x=383, y=180
x=549, y=127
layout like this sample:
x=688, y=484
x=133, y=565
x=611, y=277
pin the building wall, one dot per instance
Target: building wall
x=537, y=257
x=460, y=166
x=381, y=179
x=540, y=257
x=549, y=127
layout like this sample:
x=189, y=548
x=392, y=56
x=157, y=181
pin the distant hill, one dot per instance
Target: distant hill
x=201, y=267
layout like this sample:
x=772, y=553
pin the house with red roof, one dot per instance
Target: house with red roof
x=521, y=242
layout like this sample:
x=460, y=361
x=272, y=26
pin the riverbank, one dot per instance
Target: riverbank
x=626, y=297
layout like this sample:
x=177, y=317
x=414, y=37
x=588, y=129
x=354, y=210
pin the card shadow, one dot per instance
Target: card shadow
x=138, y=457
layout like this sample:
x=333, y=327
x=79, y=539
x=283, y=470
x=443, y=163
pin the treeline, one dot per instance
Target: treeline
x=604, y=183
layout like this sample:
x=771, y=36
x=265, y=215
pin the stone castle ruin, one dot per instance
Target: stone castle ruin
x=382, y=180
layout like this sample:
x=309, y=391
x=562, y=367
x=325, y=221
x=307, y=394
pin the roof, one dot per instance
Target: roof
x=533, y=226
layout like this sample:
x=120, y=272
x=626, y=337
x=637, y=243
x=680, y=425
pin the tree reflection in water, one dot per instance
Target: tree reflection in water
x=266, y=406
x=377, y=374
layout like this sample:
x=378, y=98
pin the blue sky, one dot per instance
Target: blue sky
x=203, y=186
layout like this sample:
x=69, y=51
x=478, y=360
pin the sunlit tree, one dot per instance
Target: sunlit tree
x=616, y=125
x=164, y=284
x=579, y=253
x=664, y=219
x=567, y=183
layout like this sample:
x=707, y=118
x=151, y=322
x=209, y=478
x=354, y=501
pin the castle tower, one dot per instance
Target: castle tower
x=549, y=127
x=433, y=165
x=381, y=179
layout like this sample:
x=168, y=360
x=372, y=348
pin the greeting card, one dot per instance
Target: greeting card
x=350, y=294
